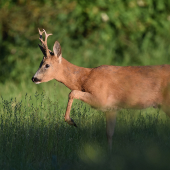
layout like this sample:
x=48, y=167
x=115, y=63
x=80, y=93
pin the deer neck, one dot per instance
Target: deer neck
x=72, y=76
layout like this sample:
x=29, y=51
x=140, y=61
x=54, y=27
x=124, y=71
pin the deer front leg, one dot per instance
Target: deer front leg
x=69, y=120
x=83, y=96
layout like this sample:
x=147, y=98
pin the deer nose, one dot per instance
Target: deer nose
x=34, y=79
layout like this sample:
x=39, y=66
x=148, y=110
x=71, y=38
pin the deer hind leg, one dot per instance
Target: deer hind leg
x=166, y=109
x=166, y=102
x=85, y=97
x=110, y=125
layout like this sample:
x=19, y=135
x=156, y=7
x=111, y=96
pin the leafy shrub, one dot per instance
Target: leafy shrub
x=120, y=32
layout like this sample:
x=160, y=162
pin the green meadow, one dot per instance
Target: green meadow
x=33, y=134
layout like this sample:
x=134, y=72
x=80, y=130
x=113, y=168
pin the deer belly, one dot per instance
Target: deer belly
x=118, y=101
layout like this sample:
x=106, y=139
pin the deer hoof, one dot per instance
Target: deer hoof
x=71, y=122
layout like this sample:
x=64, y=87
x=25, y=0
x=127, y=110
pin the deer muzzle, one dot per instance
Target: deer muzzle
x=36, y=80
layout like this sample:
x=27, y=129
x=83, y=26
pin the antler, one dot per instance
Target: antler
x=44, y=47
x=40, y=33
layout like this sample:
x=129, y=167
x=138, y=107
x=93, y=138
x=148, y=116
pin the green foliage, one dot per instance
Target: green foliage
x=91, y=33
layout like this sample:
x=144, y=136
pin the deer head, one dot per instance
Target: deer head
x=51, y=60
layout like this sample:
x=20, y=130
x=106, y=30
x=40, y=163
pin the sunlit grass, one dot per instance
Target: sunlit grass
x=33, y=135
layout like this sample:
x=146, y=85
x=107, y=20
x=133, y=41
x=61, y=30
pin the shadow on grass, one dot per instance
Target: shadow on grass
x=36, y=138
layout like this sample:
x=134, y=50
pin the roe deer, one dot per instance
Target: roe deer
x=107, y=88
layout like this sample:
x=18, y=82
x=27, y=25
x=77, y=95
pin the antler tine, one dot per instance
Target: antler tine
x=40, y=33
x=42, y=46
x=46, y=35
x=45, y=43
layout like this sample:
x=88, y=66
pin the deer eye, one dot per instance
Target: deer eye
x=47, y=65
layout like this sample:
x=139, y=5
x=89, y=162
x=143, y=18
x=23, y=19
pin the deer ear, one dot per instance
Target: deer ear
x=57, y=50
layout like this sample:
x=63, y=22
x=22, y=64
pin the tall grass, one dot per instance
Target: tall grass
x=33, y=136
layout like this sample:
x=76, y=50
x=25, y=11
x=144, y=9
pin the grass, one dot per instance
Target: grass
x=34, y=136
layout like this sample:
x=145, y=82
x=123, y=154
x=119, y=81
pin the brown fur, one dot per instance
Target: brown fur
x=108, y=88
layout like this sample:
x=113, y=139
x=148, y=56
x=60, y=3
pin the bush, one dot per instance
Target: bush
x=119, y=32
